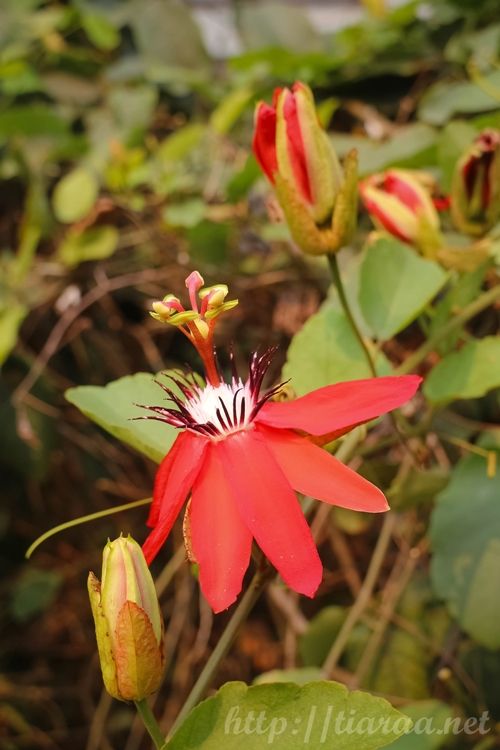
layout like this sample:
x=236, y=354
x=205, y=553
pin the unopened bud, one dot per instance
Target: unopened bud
x=128, y=622
x=294, y=152
x=475, y=195
x=400, y=202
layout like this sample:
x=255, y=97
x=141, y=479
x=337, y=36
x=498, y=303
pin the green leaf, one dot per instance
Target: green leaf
x=396, y=285
x=166, y=34
x=300, y=675
x=74, y=195
x=228, y=112
x=469, y=373
x=181, y=143
x=277, y=24
x=411, y=146
x=34, y=592
x=114, y=407
x=100, y=31
x=465, y=540
x=32, y=120
x=417, y=487
x=186, y=214
x=10, y=322
x=95, y=243
x=317, y=641
x=446, y=99
x=465, y=289
x=401, y=667
x=431, y=720
x=284, y=715
x=325, y=351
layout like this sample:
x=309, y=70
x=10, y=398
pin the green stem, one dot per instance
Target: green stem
x=363, y=597
x=225, y=642
x=149, y=721
x=481, y=303
x=337, y=280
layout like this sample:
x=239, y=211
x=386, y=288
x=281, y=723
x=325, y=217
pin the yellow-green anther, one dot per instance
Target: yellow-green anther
x=216, y=294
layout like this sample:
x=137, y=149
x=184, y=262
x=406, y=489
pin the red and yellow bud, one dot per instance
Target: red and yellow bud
x=295, y=154
x=400, y=202
x=128, y=622
x=475, y=195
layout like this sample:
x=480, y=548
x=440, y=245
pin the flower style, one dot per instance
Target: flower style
x=243, y=457
x=475, y=195
x=400, y=202
x=318, y=198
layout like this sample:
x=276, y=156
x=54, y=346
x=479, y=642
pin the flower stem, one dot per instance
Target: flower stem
x=225, y=642
x=149, y=721
x=470, y=311
x=337, y=280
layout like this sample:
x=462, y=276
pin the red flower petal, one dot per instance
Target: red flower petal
x=379, y=210
x=174, y=479
x=316, y=473
x=264, y=139
x=221, y=541
x=402, y=189
x=270, y=509
x=295, y=143
x=339, y=406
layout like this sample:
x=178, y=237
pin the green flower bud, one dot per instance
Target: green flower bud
x=128, y=622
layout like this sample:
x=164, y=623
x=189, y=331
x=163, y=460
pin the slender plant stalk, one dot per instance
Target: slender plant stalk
x=470, y=311
x=225, y=642
x=149, y=721
x=337, y=280
x=84, y=519
x=364, y=595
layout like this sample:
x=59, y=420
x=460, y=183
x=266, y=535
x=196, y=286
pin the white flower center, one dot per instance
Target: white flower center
x=227, y=407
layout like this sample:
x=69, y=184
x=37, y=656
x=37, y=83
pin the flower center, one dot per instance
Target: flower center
x=216, y=411
x=221, y=409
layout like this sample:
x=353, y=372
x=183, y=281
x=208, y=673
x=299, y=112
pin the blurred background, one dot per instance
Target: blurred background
x=125, y=131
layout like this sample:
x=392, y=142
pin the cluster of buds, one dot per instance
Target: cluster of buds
x=400, y=202
x=128, y=622
x=475, y=196
x=197, y=323
x=318, y=197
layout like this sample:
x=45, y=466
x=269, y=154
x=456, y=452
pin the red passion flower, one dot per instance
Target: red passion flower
x=243, y=458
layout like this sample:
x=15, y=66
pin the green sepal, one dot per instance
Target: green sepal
x=106, y=658
x=322, y=240
x=138, y=654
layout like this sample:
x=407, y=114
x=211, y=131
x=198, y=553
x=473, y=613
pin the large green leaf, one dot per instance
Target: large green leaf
x=286, y=715
x=465, y=539
x=409, y=146
x=325, y=351
x=114, y=407
x=395, y=286
x=469, y=373
x=446, y=99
